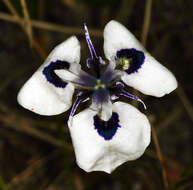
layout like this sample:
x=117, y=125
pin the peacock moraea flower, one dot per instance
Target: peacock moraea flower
x=109, y=132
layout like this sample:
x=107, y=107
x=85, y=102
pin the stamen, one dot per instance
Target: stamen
x=128, y=95
x=80, y=98
x=114, y=97
x=75, y=105
x=120, y=85
x=101, y=61
x=88, y=62
x=89, y=42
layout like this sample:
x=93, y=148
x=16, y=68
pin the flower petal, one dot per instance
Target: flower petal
x=101, y=103
x=152, y=79
x=117, y=37
x=149, y=77
x=104, y=110
x=45, y=93
x=103, y=148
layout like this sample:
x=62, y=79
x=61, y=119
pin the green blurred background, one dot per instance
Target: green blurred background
x=36, y=151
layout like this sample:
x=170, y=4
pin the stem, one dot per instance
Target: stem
x=160, y=158
x=146, y=22
x=145, y=30
x=48, y=26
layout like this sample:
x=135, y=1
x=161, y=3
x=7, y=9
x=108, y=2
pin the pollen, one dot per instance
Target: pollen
x=99, y=84
x=124, y=63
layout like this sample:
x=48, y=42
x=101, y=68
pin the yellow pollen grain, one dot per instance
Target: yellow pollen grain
x=99, y=85
x=124, y=63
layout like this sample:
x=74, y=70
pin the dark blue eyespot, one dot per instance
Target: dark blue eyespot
x=107, y=129
x=51, y=76
x=134, y=57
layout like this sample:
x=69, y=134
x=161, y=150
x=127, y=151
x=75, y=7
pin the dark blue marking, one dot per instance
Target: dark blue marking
x=51, y=76
x=137, y=57
x=107, y=129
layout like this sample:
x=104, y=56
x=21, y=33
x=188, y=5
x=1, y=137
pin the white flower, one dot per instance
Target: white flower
x=109, y=132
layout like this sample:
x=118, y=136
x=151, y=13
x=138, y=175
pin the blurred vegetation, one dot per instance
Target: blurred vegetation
x=36, y=151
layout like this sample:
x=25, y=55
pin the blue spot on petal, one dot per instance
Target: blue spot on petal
x=136, y=57
x=107, y=129
x=51, y=76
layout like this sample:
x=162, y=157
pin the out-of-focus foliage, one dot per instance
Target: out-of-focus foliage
x=186, y=180
x=32, y=7
x=2, y=185
x=102, y=2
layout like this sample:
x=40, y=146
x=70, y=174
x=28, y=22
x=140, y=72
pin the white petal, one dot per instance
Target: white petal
x=42, y=97
x=152, y=78
x=117, y=37
x=66, y=75
x=105, y=109
x=93, y=153
x=68, y=51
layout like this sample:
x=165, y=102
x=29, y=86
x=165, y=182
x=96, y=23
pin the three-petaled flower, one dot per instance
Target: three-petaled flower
x=109, y=132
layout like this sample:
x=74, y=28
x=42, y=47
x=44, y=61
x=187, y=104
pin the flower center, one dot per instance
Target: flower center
x=104, y=86
x=99, y=84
